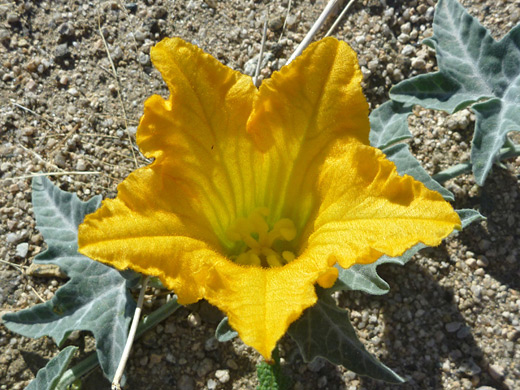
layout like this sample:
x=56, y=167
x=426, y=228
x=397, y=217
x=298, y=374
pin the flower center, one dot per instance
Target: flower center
x=259, y=239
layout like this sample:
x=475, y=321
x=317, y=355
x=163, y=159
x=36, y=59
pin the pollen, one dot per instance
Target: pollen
x=263, y=242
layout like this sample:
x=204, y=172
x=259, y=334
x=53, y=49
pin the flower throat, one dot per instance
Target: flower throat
x=259, y=239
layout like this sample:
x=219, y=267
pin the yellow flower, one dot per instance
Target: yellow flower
x=255, y=194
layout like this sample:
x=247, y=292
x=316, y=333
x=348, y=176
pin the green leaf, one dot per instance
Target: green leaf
x=389, y=124
x=48, y=377
x=325, y=330
x=468, y=216
x=364, y=277
x=406, y=163
x=224, y=332
x=95, y=299
x=472, y=67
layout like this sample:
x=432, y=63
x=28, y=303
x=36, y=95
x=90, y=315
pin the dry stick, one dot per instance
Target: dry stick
x=130, y=339
x=118, y=91
x=314, y=29
x=18, y=267
x=338, y=19
x=32, y=112
x=257, y=71
x=38, y=295
x=285, y=20
x=52, y=174
x=40, y=158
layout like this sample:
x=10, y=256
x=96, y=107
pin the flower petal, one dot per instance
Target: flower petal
x=367, y=209
x=299, y=112
x=151, y=228
x=261, y=303
x=199, y=132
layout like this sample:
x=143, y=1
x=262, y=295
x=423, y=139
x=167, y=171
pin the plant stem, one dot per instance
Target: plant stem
x=89, y=363
x=511, y=150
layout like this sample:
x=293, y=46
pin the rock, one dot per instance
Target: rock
x=418, y=63
x=186, y=383
x=144, y=59
x=65, y=30
x=452, y=327
x=12, y=238
x=205, y=367
x=232, y=364
x=45, y=271
x=211, y=344
x=155, y=359
x=222, y=376
x=22, y=250
x=463, y=332
x=470, y=368
x=276, y=23
x=316, y=365
x=81, y=165
x=194, y=320
x=406, y=28
x=496, y=372
x=12, y=18
x=61, y=51
x=212, y=384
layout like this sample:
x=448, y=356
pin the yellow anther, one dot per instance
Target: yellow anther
x=288, y=256
x=274, y=261
x=254, y=232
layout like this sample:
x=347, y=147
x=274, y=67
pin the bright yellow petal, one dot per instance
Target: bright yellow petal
x=261, y=303
x=299, y=112
x=367, y=209
x=199, y=132
x=169, y=218
x=151, y=228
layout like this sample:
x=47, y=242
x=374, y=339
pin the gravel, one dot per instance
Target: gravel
x=451, y=319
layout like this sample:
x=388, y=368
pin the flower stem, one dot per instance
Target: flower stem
x=512, y=150
x=89, y=363
x=270, y=375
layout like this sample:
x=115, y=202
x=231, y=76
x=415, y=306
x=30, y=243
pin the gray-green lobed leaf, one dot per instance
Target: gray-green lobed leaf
x=48, y=377
x=224, y=332
x=389, y=124
x=473, y=67
x=325, y=330
x=95, y=299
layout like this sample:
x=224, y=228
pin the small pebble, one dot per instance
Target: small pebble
x=22, y=250
x=211, y=344
x=452, y=327
x=186, y=383
x=316, y=364
x=194, y=320
x=212, y=384
x=222, y=376
x=496, y=372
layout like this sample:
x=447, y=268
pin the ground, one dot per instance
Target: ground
x=451, y=319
